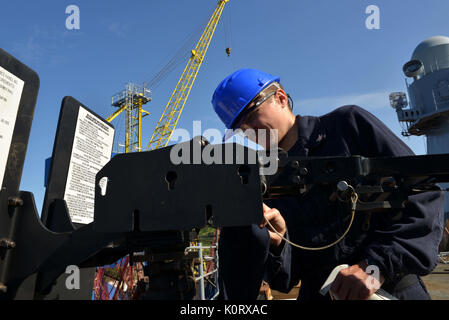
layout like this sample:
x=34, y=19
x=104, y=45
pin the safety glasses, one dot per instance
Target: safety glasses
x=248, y=111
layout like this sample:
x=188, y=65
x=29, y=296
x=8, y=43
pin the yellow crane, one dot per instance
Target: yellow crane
x=134, y=97
x=169, y=119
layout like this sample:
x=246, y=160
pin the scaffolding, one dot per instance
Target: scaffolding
x=131, y=100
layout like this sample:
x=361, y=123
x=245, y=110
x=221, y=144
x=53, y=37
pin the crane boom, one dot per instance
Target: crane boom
x=169, y=119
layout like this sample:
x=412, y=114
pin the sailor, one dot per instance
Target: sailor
x=403, y=246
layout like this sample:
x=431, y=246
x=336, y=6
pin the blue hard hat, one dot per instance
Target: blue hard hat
x=237, y=90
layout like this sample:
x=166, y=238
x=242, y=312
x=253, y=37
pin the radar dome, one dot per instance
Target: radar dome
x=433, y=53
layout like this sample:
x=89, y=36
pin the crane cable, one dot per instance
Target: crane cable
x=181, y=55
x=354, y=199
x=227, y=30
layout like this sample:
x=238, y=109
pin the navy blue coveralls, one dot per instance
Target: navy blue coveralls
x=403, y=245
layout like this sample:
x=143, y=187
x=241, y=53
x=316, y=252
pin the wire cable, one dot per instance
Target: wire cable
x=354, y=198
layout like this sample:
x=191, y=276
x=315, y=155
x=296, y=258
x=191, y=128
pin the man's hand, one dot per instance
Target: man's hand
x=277, y=221
x=354, y=283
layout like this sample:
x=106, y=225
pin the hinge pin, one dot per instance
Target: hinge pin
x=15, y=202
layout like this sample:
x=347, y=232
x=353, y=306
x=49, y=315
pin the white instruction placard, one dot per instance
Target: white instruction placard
x=92, y=147
x=11, y=88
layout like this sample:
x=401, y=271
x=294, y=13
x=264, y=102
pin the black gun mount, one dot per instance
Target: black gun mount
x=147, y=196
x=382, y=183
x=149, y=205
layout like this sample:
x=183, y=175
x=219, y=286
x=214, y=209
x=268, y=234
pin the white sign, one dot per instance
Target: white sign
x=11, y=89
x=92, y=147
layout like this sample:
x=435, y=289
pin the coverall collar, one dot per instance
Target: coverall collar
x=311, y=133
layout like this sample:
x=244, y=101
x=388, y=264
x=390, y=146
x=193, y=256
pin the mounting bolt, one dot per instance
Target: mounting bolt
x=203, y=142
x=303, y=171
x=15, y=202
x=296, y=179
x=3, y=288
x=295, y=164
x=8, y=244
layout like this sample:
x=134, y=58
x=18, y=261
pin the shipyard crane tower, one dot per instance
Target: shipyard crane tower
x=132, y=99
x=427, y=110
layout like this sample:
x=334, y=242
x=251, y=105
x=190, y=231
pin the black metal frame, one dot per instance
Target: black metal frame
x=117, y=230
x=392, y=177
x=15, y=162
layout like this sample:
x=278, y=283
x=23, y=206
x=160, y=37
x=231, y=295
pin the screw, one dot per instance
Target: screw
x=203, y=142
x=15, y=202
x=3, y=288
x=303, y=171
x=8, y=244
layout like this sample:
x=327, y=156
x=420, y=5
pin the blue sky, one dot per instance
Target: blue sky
x=322, y=51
